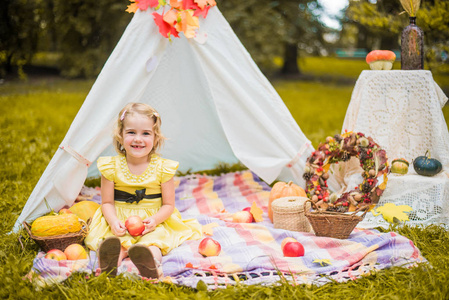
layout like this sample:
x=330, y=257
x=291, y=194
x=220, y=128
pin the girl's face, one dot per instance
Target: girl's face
x=138, y=136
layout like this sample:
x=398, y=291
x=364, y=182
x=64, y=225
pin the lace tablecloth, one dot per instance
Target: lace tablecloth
x=402, y=112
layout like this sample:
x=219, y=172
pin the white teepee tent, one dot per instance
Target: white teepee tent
x=216, y=106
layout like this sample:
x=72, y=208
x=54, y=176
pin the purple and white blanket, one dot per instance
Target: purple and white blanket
x=251, y=252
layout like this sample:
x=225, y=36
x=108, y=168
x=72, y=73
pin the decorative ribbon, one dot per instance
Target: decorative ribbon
x=298, y=155
x=131, y=198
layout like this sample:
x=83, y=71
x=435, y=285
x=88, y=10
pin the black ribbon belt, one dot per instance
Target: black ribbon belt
x=137, y=197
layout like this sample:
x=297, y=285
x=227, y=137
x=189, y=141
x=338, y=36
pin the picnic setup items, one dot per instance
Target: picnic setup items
x=329, y=217
x=403, y=111
x=289, y=214
x=341, y=148
x=57, y=232
x=333, y=224
x=283, y=189
x=254, y=252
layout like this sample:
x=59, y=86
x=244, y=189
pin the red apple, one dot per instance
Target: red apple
x=293, y=249
x=249, y=210
x=287, y=240
x=242, y=217
x=75, y=252
x=209, y=247
x=55, y=254
x=134, y=225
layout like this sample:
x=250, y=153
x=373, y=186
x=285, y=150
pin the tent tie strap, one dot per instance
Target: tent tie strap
x=298, y=155
x=76, y=155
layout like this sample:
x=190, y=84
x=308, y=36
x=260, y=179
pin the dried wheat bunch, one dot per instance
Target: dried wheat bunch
x=411, y=6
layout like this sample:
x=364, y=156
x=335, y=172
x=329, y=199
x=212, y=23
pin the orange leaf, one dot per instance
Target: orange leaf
x=213, y=267
x=203, y=3
x=189, y=265
x=208, y=228
x=132, y=8
x=175, y=4
x=170, y=17
x=187, y=23
x=257, y=212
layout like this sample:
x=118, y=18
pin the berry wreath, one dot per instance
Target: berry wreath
x=341, y=148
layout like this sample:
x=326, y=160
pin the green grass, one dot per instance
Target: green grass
x=36, y=115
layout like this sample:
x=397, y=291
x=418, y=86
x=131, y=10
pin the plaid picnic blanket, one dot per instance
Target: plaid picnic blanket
x=251, y=252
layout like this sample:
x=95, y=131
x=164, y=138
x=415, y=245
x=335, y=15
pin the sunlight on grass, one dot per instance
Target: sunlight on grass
x=318, y=108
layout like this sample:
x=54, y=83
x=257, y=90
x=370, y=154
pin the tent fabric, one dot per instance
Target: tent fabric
x=215, y=104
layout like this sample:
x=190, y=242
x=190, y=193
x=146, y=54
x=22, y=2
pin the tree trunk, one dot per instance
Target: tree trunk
x=290, y=66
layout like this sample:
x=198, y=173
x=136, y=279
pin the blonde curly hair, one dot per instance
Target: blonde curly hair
x=142, y=109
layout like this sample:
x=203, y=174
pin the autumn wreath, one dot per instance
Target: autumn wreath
x=341, y=148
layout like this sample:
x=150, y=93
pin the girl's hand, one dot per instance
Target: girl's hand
x=150, y=225
x=118, y=228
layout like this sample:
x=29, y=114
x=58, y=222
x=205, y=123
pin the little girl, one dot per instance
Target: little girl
x=138, y=182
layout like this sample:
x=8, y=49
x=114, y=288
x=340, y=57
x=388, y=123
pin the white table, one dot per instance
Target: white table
x=401, y=111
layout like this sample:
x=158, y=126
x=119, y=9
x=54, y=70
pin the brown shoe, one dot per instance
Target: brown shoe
x=108, y=254
x=143, y=259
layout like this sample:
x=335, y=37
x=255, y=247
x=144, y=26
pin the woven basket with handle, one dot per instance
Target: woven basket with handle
x=60, y=242
x=288, y=213
x=333, y=224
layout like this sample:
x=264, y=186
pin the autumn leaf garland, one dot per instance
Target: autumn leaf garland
x=181, y=16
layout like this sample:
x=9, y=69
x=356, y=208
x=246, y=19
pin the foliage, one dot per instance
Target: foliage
x=19, y=33
x=34, y=119
x=282, y=23
x=87, y=32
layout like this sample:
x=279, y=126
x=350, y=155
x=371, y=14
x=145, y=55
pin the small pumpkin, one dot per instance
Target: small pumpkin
x=282, y=189
x=399, y=166
x=424, y=165
x=85, y=209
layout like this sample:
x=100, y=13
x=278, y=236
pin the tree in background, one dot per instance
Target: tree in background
x=373, y=25
x=270, y=29
x=87, y=31
x=20, y=29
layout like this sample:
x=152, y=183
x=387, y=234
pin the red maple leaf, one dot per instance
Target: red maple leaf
x=189, y=4
x=144, y=4
x=164, y=28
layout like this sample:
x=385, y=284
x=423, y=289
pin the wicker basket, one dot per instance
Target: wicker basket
x=60, y=242
x=333, y=224
x=288, y=213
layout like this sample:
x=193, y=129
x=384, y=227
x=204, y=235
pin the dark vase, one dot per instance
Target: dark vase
x=412, y=47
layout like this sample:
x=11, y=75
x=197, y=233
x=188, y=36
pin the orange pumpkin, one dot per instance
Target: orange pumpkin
x=282, y=189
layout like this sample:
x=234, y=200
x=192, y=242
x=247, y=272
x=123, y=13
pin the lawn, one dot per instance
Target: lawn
x=35, y=115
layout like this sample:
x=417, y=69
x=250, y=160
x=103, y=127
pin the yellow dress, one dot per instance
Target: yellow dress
x=169, y=234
